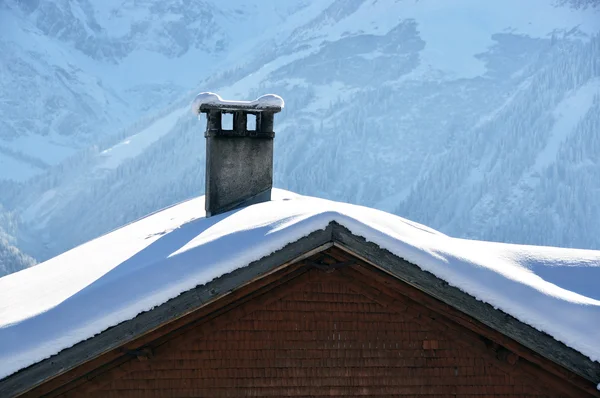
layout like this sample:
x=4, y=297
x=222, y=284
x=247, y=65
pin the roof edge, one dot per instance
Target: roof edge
x=334, y=234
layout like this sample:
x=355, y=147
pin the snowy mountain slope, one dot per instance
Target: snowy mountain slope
x=87, y=69
x=64, y=103
x=482, y=127
x=533, y=171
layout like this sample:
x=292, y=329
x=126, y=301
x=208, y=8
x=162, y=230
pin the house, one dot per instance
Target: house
x=253, y=291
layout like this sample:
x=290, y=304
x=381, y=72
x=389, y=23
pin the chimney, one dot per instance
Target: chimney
x=239, y=162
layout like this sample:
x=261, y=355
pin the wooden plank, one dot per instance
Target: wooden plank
x=218, y=317
x=403, y=298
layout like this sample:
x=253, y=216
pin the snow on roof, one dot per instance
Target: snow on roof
x=99, y=284
x=267, y=101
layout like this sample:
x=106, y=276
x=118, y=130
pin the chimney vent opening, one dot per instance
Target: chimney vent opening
x=227, y=121
x=251, y=122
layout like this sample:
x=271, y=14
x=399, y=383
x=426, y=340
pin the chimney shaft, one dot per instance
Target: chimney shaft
x=239, y=162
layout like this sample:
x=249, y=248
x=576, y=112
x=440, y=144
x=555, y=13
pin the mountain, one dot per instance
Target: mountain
x=479, y=119
x=75, y=71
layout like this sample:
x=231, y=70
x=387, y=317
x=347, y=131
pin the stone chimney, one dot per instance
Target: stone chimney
x=239, y=162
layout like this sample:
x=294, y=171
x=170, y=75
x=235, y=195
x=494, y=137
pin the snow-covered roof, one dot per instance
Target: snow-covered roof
x=206, y=100
x=76, y=295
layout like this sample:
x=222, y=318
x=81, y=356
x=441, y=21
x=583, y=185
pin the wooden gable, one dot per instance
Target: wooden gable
x=328, y=325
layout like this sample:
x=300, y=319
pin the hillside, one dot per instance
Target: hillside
x=484, y=128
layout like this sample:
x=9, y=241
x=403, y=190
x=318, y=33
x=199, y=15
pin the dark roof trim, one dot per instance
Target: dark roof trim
x=319, y=240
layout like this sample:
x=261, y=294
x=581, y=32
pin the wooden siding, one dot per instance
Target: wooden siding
x=373, y=271
x=331, y=332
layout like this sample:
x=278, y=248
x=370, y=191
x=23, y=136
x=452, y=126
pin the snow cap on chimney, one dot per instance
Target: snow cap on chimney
x=239, y=162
